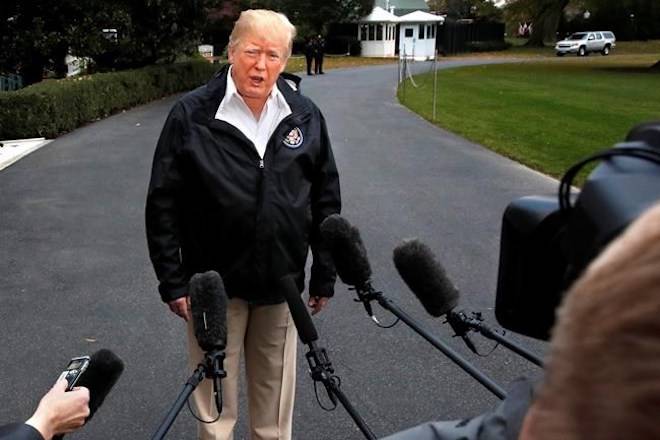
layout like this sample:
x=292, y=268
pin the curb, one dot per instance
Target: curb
x=12, y=151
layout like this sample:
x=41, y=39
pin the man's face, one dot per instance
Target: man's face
x=257, y=62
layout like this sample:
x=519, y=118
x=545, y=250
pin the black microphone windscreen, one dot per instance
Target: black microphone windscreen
x=208, y=302
x=100, y=376
x=424, y=275
x=347, y=249
x=299, y=313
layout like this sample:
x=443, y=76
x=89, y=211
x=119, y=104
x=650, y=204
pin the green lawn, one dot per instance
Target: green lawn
x=297, y=63
x=545, y=114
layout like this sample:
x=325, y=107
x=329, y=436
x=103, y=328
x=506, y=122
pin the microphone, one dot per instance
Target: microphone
x=320, y=367
x=347, y=250
x=301, y=319
x=424, y=275
x=350, y=258
x=100, y=376
x=427, y=279
x=208, y=303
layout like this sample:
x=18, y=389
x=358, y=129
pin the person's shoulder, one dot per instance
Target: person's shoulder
x=200, y=96
x=290, y=87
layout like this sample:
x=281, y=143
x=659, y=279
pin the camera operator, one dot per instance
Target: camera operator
x=59, y=412
x=602, y=377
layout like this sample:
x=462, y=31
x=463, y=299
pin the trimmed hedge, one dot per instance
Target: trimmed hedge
x=50, y=108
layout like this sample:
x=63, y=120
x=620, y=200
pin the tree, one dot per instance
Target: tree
x=629, y=19
x=159, y=30
x=478, y=9
x=313, y=16
x=545, y=17
x=37, y=35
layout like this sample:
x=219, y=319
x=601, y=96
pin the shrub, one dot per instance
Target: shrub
x=50, y=108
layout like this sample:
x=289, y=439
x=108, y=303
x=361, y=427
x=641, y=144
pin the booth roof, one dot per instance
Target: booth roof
x=420, y=17
x=379, y=15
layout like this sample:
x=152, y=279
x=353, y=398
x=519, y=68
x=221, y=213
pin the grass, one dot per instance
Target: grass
x=545, y=114
x=297, y=63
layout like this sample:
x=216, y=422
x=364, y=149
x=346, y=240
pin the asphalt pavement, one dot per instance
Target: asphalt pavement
x=76, y=275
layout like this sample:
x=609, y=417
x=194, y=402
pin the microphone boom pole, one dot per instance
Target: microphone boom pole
x=320, y=367
x=367, y=293
x=208, y=304
x=352, y=264
x=210, y=367
x=461, y=320
x=321, y=371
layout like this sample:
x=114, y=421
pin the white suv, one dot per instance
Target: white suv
x=582, y=43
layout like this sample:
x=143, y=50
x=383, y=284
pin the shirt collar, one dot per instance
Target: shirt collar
x=231, y=92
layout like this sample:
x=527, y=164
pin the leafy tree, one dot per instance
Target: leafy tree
x=546, y=16
x=313, y=16
x=37, y=34
x=479, y=9
x=159, y=30
x=629, y=19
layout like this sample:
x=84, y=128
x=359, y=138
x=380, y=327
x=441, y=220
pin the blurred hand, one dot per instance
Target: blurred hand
x=60, y=411
x=181, y=307
x=317, y=303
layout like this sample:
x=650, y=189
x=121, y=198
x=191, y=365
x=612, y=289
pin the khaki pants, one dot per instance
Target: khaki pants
x=267, y=335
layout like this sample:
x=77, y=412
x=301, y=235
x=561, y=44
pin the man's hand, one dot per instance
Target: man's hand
x=181, y=307
x=317, y=303
x=60, y=411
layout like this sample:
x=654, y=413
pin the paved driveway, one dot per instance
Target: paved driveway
x=76, y=275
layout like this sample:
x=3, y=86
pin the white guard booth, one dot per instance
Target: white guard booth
x=377, y=34
x=417, y=32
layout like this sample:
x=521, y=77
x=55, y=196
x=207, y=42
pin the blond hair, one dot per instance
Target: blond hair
x=603, y=373
x=265, y=24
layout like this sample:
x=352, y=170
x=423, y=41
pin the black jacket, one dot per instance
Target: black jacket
x=213, y=204
x=19, y=431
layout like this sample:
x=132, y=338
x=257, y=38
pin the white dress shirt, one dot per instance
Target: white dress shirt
x=235, y=111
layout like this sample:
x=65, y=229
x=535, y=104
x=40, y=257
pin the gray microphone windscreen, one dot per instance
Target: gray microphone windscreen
x=424, y=275
x=208, y=302
x=100, y=376
x=347, y=249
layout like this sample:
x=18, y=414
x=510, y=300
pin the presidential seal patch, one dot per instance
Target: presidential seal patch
x=294, y=139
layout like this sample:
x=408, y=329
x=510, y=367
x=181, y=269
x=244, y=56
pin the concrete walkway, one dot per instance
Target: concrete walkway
x=76, y=275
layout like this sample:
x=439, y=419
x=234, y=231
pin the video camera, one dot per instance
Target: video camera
x=547, y=241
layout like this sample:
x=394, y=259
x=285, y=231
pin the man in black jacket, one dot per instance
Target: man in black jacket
x=242, y=177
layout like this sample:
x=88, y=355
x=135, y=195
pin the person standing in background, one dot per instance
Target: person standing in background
x=310, y=53
x=319, y=53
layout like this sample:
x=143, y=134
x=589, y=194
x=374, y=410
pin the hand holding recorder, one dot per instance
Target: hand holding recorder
x=61, y=411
